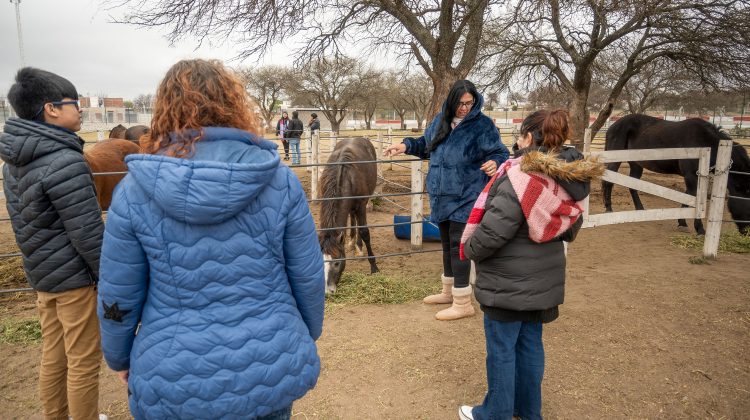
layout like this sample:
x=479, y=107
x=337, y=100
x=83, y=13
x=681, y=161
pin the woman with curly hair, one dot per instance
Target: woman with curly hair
x=210, y=246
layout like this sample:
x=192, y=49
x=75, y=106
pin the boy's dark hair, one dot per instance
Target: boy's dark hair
x=295, y=114
x=314, y=115
x=34, y=88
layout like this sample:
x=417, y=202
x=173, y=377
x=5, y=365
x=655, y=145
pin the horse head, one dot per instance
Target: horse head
x=332, y=245
x=117, y=132
x=739, y=186
x=135, y=132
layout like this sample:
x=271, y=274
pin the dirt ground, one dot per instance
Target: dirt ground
x=643, y=333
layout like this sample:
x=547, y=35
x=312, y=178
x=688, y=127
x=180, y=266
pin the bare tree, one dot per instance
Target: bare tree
x=417, y=96
x=144, y=102
x=332, y=84
x=370, y=95
x=443, y=36
x=565, y=41
x=266, y=86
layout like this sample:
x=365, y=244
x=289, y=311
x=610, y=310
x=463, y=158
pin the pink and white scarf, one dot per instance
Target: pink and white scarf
x=548, y=208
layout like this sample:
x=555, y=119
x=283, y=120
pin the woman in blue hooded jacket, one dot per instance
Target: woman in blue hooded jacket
x=464, y=149
x=211, y=247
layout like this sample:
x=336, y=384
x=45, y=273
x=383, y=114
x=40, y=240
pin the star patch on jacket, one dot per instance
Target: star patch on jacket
x=114, y=312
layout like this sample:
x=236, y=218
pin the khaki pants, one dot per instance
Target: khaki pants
x=71, y=354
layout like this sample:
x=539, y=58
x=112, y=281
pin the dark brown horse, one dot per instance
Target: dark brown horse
x=346, y=179
x=108, y=156
x=644, y=132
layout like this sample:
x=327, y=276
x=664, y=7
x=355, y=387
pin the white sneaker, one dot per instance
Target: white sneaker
x=464, y=412
x=103, y=417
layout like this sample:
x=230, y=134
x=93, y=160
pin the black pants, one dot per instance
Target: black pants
x=450, y=238
x=286, y=148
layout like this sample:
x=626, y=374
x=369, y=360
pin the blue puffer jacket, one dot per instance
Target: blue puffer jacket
x=217, y=257
x=454, y=180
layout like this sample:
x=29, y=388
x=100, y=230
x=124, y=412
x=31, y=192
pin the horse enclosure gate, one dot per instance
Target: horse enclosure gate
x=694, y=207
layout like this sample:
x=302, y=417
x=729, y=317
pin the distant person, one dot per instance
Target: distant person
x=210, y=246
x=314, y=123
x=464, y=149
x=293, y=134
x=281, y=126
x=515, y=235
x=51, y=200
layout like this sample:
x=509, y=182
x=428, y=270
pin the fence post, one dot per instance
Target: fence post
x=718, y=193
x=416, y=205
x=315, y=140
x=378, y=157
x=99, y=135
x=702, y=189
x=586, y=151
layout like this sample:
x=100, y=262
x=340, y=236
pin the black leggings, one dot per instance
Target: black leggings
x=450, y=238
x=285, y=143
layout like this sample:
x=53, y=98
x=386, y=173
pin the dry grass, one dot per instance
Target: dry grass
x=363, y=289
x=12, y=275
x=20, y=331
x=730, y=242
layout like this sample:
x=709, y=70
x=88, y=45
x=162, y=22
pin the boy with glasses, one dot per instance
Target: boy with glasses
x=50, y=197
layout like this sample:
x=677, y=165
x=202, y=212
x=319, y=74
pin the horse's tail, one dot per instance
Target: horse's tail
x=617, y=135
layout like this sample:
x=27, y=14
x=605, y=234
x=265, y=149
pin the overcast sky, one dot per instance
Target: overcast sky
x=74, y=39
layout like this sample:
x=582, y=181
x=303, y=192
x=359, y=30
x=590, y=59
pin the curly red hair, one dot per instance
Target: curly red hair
x=195, y=94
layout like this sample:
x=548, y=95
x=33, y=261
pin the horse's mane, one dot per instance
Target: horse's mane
x=331, y=182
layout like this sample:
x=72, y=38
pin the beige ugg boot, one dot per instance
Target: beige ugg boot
x=461, y=307
x=444, y=296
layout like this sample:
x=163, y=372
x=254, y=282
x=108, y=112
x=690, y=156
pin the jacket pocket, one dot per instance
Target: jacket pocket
x=450, y=181
x=444, y=180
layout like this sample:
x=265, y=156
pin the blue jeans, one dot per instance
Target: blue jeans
x=515, y=367
x=283, y=414
x=294, y=144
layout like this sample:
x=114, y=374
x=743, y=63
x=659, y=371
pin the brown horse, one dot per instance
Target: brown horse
x=346, y=178
x=135, y=132
x=117, y=132
x=108, y=156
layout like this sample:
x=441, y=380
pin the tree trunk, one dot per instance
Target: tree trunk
x=442, y=82
x=579, y=117
x=604, y=114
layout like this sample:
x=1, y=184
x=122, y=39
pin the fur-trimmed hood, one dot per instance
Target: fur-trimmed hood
x=569, y=167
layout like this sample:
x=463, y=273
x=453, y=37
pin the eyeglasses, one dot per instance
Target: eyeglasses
x=61, y=103
x=58, y=103
x=466, y=105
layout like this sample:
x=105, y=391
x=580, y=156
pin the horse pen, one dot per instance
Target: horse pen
x=649, y=329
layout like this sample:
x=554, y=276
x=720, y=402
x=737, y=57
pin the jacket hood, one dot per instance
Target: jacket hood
x=475, y=110
x=572, y=171
x=205, y=192
x=24, y=141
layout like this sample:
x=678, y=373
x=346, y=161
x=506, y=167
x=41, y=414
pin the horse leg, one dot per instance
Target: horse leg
x=607, y=187
x=352, y=239
x=364, y=233
x=636, y=171
x=691, y=186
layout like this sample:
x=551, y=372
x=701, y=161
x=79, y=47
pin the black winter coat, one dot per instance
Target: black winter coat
x=51, y=200
x=294, y=129
x=517, y=278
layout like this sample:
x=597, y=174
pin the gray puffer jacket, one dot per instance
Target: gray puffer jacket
x=50, y=197
x=514, y=273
